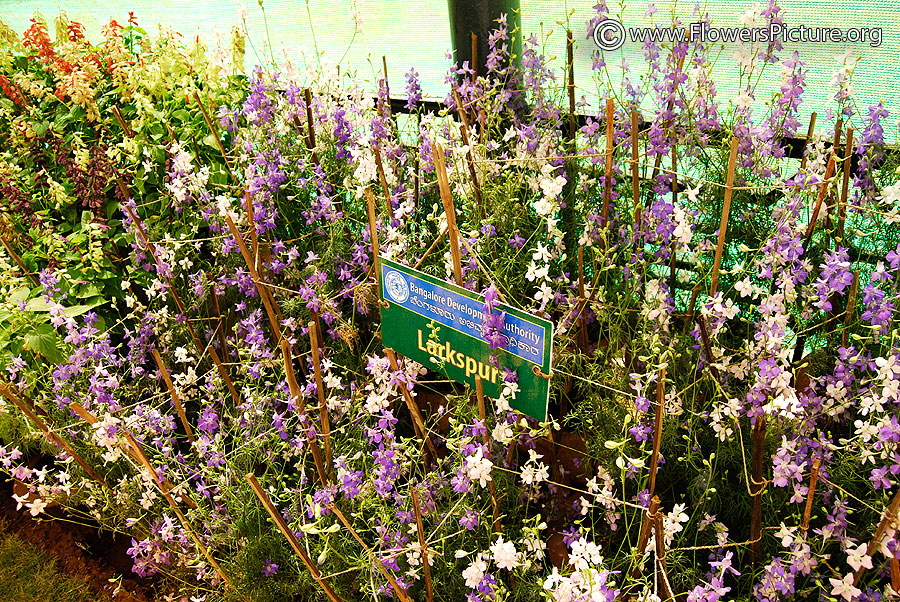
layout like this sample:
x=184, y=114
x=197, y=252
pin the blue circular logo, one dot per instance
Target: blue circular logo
x=396, y=287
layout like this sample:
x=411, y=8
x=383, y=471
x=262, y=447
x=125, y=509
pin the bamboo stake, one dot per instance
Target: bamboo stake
x=251, y=217
x=449, y=211
x=384, y=185
x=122, y=123
x=429, y=594
x=215, y=133
x=570, y=64
x=290, y=375
x=835, y=146
x=31, y=413
x=809, y=134
x=133, y=449
x=851, y=308
x=200, y=347
x=661, y=557
x=657, y=431
x=707, y=347
x=431, y=248
x=323, y=405
x=15, y=257
x=889, y=517
x=895, y=574
x=607, y=184
x=474, y=57
x=647, y=522
x=297, y=394
x=401, y=593
x=292, y=540
x=693, y=304
x=813, y=479
x=265, y=296
x=845, y=184
x=464, y=132
x=723, y=224
x=582, y=304
x=482, y=413
x=635, y=183
x=823, y=189
x=151, y=476
x=413, y=407
x=756, y=487
x=223, y=342
x=173, y=394
x=373, y=234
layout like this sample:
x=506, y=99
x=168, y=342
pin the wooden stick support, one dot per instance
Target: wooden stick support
x=607, y=173
x=845, y=185
x=470, y=161
x=646, y=524
x=809, y=134
x=423, y=549
x=449, y=210
x=30, y=412
x=373, y=233
x=215, y=133
x=413, y=407
x=173, y=394
x=265, y=296
x=431, y=248
x=635, y=182
x=198, y=344
x=486, y=439
x=379, y=166
x=851, y=308
x=18, y=260
x=320, y=388
x=292, y=540
x=570, y=86
x=813, y=479
x=401, y=593
x=889, y=517
x=223, y=341
x=723, y=224
x=757, y=485
x=823, y=190
x=657, y=431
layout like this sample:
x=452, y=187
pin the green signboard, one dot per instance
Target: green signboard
x=439, y=325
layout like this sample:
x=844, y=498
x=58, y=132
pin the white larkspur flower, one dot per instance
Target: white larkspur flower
x=504, y=553
x=844, y=587
x=478, y=468
x=857, y=558
x=474, y=573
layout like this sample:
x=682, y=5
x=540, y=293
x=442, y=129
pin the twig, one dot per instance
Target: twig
x=723, y=224
x=657, y=431
x=449, y=211
x=173, y=394
x=215, y=133
x=320, y=388
x=292, y=540
x=423, y=549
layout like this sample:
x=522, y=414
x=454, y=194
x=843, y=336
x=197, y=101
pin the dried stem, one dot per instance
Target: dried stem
x=292, y=540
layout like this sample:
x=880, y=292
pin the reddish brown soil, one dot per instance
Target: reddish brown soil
x=82, y=552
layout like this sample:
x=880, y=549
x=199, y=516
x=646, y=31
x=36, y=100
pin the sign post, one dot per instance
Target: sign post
x=440, y=326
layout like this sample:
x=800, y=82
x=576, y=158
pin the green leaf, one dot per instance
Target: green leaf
x=43, y=341
x=210, y=141
x=77, y=310
x=37, y=304
x=41, y=128
x=18, y=296
x=88, y=290
x=182, y=115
